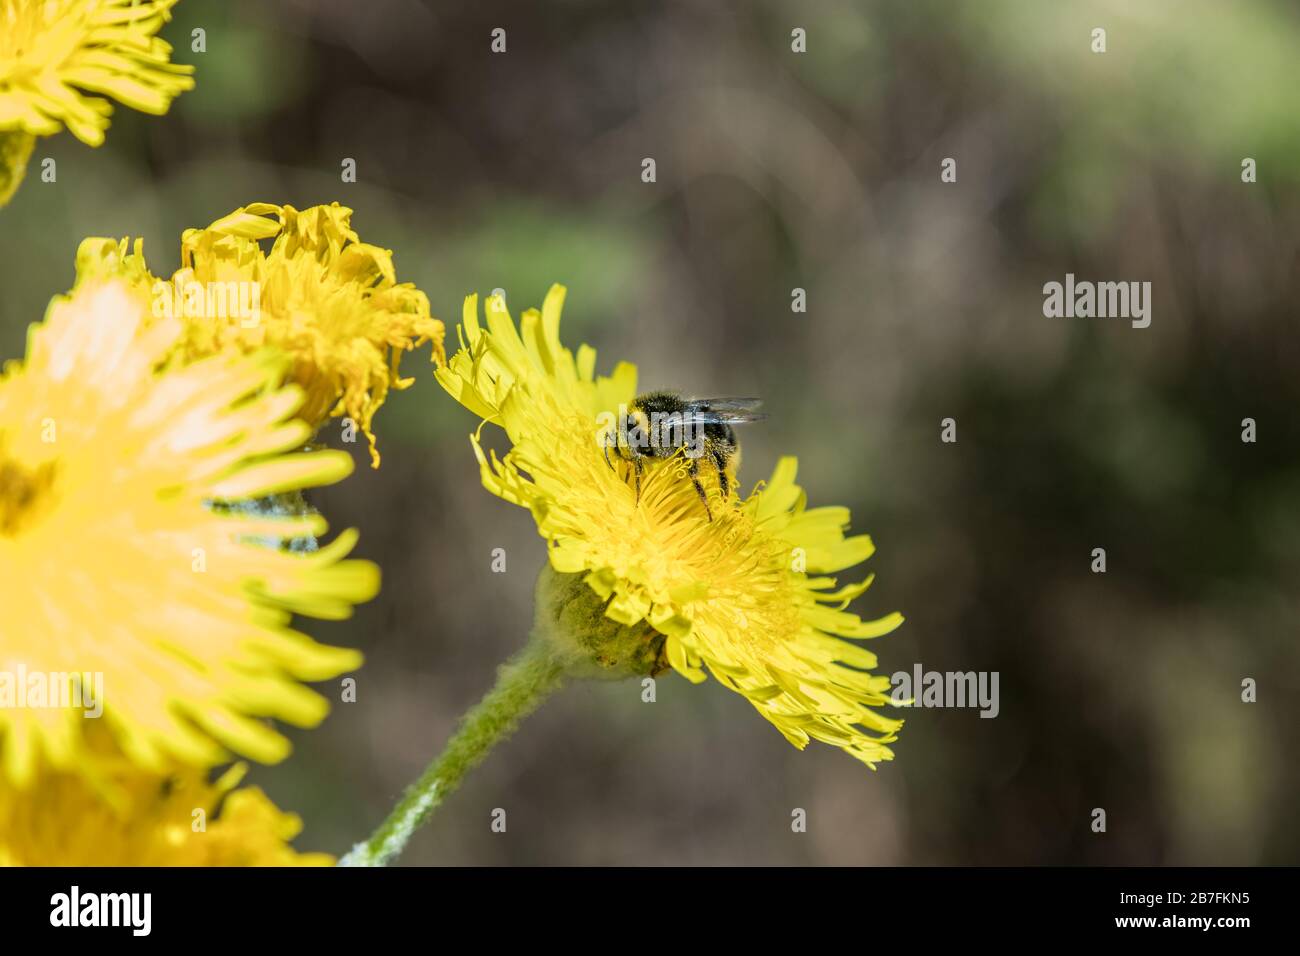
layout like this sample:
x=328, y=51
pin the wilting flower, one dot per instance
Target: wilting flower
x=320, y=295
x=743, y=593
x=127, y=816
x=60, y=58
x=118, y=559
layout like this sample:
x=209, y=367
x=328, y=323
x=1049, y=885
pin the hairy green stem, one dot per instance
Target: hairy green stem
x=523, y=682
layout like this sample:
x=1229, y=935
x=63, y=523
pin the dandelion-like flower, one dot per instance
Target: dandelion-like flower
x=743, y=593
x=329, y=301
x=116, y=561
x=128, y=816
x=59, y=59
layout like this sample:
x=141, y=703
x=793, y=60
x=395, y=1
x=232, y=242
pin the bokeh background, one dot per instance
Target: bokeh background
x=820, y=170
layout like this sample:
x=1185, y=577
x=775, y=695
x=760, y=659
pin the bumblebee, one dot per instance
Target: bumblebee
x=664, y=424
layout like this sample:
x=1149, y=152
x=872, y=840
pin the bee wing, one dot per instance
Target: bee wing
x=722, y=411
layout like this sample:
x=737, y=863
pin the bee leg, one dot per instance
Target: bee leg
x=607, y=461
x=699, y=488
x=724, y=483
x=637, y=468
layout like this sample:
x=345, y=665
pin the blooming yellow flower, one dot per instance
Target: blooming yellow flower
x=745, y=595
x=55, y=55
x=128, y=816
x=328, y=300
x=116, y=562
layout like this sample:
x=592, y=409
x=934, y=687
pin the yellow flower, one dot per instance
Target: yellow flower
x=329, y=301
x=133, y=817
x=121, y=569
x=745, y=595
x=55, y=55
x=55, y=52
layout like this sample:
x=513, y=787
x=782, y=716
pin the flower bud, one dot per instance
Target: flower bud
x=570, y=617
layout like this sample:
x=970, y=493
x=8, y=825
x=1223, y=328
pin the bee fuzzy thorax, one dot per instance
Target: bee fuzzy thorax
x=696, y=432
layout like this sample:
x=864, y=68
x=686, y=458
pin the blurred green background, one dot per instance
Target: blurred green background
x=819, y=170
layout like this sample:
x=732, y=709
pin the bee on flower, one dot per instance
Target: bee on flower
x=660, y=563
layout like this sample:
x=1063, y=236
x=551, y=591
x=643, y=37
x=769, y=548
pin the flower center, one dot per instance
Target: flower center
x=21, y=494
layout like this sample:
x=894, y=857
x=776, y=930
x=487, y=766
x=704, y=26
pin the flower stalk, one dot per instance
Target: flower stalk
x=523, y=683
x=571, y=638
